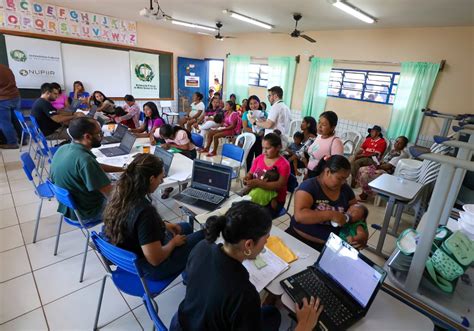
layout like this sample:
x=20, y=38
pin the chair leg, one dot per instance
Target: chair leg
x=99, y=304
x=38, y=216
x=398, y=217
x=85, y=257
x=21, y=140
x=57, y=235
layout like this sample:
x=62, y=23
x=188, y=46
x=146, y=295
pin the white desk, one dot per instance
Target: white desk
x=180, y=171
x=397, y=191
x=386, y=312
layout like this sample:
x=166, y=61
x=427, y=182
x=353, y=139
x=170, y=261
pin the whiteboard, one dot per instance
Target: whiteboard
x=102, y=69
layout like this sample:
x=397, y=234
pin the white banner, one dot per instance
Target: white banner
x=144, y=73
x=34, y=61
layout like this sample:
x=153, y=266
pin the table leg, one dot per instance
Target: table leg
x=386, y=222
x=398, y=218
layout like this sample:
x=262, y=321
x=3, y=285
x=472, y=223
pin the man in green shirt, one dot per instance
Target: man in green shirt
x=75, y=168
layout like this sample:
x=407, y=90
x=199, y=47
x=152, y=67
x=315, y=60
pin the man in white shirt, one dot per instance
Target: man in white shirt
x=279, y=116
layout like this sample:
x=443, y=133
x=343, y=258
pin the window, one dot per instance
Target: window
x=258, y=75
x=370, y=86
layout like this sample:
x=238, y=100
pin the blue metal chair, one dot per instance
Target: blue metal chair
x=42, y=190
x=198, y=140
x=44, y=151
x=25, y=130
x=142, y=116
x=234, y=153
x=64, y=196
x=291, y=187
x=128, y=278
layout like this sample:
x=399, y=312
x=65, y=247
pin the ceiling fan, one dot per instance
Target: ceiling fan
x=297, y=33
x=218, y=36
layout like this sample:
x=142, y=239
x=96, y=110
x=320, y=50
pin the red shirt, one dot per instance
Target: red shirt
x=371, y=146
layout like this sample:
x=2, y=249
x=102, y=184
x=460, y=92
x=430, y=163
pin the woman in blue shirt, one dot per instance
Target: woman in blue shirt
x=78, y=93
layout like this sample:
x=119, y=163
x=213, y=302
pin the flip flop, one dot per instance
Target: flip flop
x=211, y=154
x=166, y=193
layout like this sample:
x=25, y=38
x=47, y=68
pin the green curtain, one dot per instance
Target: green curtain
x=237, y=77
x=282, y=73
x=316, y=92
x=413, y=93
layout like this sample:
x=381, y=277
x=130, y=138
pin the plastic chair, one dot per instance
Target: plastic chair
x=64, y=196
x=249, y=141
x=44, y=151
x=198, y=140
x=25, y=130
x=169, y=112
x=128, y=278
x=291, y=187
x=234, y=153
x=295, y=125
x=42, y=190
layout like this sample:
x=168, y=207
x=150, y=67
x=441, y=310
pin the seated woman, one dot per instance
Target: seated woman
x=197, y=109
x=387, y=166
x=219, y=295
x=270, y=159
x=131, y=116
x=301, y=157
x=179, y=138
x=131, y=222
x=153, y=121
x=323, y=199
x=254, y=108
x=213, y=108
x=326, y=144
x=79, y=93
x=232, y=126
x=104, y=104
x=61, y=102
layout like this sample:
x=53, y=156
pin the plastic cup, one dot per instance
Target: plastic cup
x=146, y=149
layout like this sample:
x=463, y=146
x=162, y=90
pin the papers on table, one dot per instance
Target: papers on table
x=265, y=268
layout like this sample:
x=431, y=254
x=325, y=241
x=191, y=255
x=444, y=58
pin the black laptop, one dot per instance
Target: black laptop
x=117, y=136
x=210, y=185
x=166, y=157
x=345, y=281
x=124, y=148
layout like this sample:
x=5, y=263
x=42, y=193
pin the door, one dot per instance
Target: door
x=192, y=77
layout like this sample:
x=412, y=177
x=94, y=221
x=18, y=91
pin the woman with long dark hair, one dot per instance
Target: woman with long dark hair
x=178, y=137
x=219, y=295
x=323, y=199
x=79, y=93
x=133, y=223
x=104, y=104
x=152, y=121
x=254, y=106
x=309, y=129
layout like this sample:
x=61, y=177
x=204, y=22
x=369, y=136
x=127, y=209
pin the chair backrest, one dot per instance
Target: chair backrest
x=295, y=126
x=122, y=258
x=233, y=152
x=165, y=104
x=21, y=119
x=62, y=195
x=353, y=136
x=388, y=148
x=198, y=140
x=28, y=165
x=142, y=116
x=348, y=147
x=249, y=140
x=292, y=183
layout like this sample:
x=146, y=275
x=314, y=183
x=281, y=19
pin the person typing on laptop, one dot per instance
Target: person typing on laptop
x=75, y=168
x=210, y=303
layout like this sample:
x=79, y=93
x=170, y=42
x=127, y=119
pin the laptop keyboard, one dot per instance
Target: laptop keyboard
x=333, y=307
x=202, y=195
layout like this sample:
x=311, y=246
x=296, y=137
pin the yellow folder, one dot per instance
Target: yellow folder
x=277, y=246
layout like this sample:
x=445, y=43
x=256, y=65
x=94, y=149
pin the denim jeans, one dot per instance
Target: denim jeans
x=178, y=258
x=6, y=124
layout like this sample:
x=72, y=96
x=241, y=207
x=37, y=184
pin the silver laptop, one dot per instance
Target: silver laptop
x=124, y=148
x=117, y=136
x=166, y=157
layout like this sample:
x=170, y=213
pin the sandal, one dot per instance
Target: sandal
x=203, y=150
x=166, y=193
x=211, y=154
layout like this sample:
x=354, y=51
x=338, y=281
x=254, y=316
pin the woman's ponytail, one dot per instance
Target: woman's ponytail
x=214, y=226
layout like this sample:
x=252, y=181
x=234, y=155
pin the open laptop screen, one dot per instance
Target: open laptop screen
x=211, y=177
x=127, y=142
x=166, y=157
x=355, y=274
x=120, y=131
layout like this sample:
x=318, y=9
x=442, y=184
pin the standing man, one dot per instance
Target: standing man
x=9, y=101
x=279, y=116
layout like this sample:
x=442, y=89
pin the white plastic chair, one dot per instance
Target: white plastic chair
x=249, y=141
x=355, y=139
x=168, y=112
x=295, y=126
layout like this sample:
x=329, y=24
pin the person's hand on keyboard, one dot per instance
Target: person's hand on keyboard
x=308, y=314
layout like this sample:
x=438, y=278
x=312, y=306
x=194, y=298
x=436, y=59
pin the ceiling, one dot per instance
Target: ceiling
x=317, y=14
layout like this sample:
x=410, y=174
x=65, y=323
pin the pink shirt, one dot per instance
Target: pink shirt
x=60, y=102
x=156, y=123
x=181, y=138
x=324, y=147
x=133, y=113
x=231, y=119
x=283, y=168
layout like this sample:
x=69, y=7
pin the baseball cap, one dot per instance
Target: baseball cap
x=375, y=127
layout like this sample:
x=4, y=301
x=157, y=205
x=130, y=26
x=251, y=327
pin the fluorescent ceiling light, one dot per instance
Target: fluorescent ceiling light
x=356, y=12
x=248, y=19
x=192, y=25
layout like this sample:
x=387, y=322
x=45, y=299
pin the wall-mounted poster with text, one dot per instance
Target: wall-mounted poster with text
x=144, y=73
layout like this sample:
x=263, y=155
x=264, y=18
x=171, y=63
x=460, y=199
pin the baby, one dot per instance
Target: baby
x=356, y=228
x=262, y=196
x=210, y=124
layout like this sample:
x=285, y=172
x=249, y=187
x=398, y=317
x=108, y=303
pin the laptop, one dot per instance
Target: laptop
x=75, y=103
x=117, y=136
x=124, y=148
x=166, y=157
x=345, y=281
x=210, y=185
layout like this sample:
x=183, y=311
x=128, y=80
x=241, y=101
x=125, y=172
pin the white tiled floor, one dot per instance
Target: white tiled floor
x=40, y=291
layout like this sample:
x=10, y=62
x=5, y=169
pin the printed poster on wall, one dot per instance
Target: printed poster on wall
x=34, y=61
x=191, y=81
x=144, y=73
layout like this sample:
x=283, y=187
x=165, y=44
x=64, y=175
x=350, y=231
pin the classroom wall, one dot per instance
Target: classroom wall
x=452, y=93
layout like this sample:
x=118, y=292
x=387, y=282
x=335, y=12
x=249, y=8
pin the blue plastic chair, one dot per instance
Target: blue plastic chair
x=42, y=190
x=128, y=278
x=198, y=140
x=291, y=187
x=64, y=196
x=24, y=128
x=235, y=153
x=142, y=116
x=43, y=149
